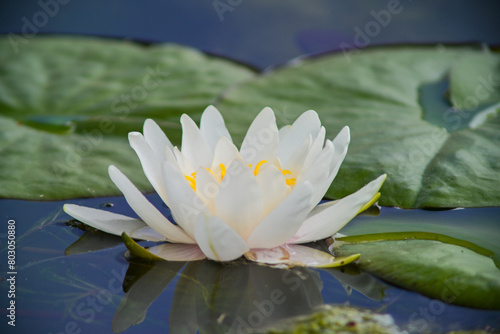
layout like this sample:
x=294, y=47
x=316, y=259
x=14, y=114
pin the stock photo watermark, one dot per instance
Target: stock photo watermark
x=31, y=25
x=11, y=272
x=120, y=107
x=363, y=35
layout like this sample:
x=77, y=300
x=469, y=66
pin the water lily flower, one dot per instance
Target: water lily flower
x=260, y=201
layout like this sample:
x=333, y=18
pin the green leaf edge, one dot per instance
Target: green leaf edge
x=421, y=236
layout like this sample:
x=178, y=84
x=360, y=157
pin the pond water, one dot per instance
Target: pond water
x=63, y=289
x=60, y=292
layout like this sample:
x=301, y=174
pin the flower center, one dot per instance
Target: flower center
x=192, y=178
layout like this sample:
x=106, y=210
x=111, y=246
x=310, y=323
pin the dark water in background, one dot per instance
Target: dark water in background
x=80, y=293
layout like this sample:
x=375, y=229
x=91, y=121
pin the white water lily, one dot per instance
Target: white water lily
x=260, y=201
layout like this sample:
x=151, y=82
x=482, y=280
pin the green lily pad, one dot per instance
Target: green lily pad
x=402, y=107
x=67, y=104
x=457, y=274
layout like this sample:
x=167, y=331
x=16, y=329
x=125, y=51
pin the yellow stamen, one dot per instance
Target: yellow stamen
x=210, y=171
x=290, y=181
x=191, y=180
x=256, y=171
x=286, y=171
x=222, y=171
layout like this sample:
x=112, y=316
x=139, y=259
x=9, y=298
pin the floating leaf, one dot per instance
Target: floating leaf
x=399, y=106
x=67, y=104
x=440, y=270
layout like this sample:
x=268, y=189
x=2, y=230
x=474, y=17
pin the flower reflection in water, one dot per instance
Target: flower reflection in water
x=211, y=297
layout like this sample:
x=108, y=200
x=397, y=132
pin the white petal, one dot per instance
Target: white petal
x=296, y=160
x=318, y=173
x=194, y=146
x=207, y=187
x=341, y=143
x=296, y=255
x=212, y=126
x=225, y=152
x=146, y=233
x=283, y=222
x=283, y=131
x=273, y=186
x=108, y=222
x=217, y=240
x=239, y=202
x=184, y=203
x=261, y=140
x=156, y=139
x=178, y=252
x=182, y=162
x=150, y=163
x=307, y=124
x=325, y=222
x=147, y=211
x=315, y=149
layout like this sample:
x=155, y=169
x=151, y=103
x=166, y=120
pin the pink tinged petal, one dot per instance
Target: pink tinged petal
x=184, y=203
x=217, y=240
x=212, y=126
x=194, y=146
x=296, y=255
x=225, y=152
x=147, y=211
x=156, y=139
x=178, y=252
x=273, y=186
x=110, y=222
x=149, y=161
x=261, y=140
x=239, y=202
x=325, y=220
x=207, y=187
x=307, y=124
x=283, y=222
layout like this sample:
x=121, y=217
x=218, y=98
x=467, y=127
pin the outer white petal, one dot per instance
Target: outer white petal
x=149, y=161
x=178, y=252
x=109, y=222
x=318, y=173
x=296, y=255
x=273, y=186
x=315, y=149
x=324, y=179
x=194, y=146
x=147, y=211
x=283, y=222
x=212, y=126
x=261, y=140
x=239, y=202
x=156, y=139
x=296, y=160
x=325, y=222
x=307, y=124
x=217, y=240
x=184, y=203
